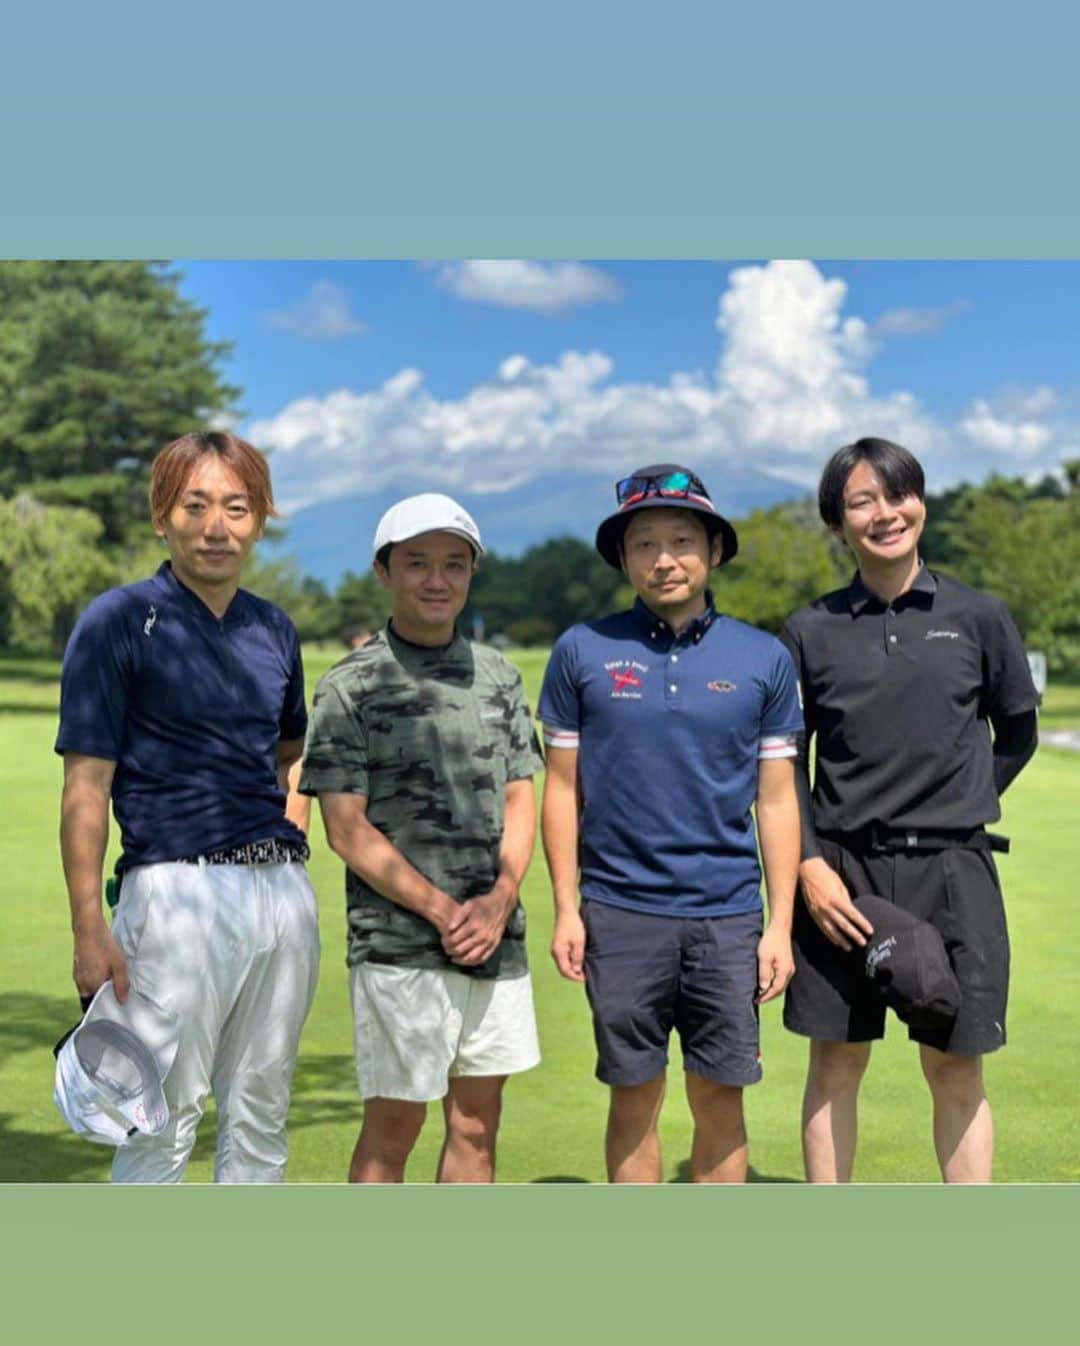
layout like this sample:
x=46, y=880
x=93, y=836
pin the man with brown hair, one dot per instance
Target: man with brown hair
x=182, y=701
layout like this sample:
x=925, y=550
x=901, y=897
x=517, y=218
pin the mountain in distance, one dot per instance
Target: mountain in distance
x=335, y=535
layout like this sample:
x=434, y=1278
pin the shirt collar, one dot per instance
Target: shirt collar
x=408, y=651
x=860, y=597
x=172, y=587
x=655, y=627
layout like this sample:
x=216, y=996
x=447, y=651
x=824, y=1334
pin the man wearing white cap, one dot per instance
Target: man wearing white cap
x=421, y=750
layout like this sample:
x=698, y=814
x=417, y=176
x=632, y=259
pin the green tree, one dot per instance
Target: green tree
x=786, y=558
x=1025, y=549
x=361, y=601
x=540, y=594
x=101, y=364
x=51, y=565
x=303, y=599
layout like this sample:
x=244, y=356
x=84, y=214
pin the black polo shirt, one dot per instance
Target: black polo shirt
x=898, y=696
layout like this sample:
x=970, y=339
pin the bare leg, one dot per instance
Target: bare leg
x=719, y=1152
x=390, y=1130
x=963, y=1126
x=471, y=1108
x=632, y=1144
x=830, y=1109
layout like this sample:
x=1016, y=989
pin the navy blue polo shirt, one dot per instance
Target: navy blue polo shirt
x=669, y=731
x=191, y=708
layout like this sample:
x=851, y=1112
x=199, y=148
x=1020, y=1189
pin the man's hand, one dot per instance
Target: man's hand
x=775, y=961
x=830, y=904
x=568, y=945
x=98, y=958
x=476, y=929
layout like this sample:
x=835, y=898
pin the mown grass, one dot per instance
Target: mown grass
x=554, y=1116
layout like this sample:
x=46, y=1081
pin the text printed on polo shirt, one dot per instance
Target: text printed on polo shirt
x=943, y=635
x=626, y=675
x=151, y=618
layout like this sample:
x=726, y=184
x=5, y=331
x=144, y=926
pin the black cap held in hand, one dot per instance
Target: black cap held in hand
x=907, y=960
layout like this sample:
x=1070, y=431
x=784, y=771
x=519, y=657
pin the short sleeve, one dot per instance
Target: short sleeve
x=524, y=758
x=336, y=750
x=293, y=711
x=792, y=642
x=560, y=705
x=94, y=684
x=781, y=712
x=1008, y=688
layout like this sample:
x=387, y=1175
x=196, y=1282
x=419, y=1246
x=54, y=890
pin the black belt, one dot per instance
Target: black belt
x=880, y=840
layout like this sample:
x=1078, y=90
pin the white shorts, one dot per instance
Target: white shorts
x=416, y=1028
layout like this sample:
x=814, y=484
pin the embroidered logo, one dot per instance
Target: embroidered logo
x=626, y=679
x=151, y=618
x=879, y=954
x=721, y=685
x=942, y=635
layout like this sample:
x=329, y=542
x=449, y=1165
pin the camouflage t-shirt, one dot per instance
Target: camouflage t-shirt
x=431, y=737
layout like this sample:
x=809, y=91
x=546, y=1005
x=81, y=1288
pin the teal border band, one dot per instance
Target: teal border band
x=590, y=130
x=529, y=1266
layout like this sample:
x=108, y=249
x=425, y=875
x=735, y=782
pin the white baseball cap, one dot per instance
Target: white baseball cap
x=430, y=513
x=111, y=1071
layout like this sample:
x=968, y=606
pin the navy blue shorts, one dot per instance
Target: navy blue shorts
x=646, y=975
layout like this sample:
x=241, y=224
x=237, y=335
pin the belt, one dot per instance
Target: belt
x=881, y=840
x=271, y=851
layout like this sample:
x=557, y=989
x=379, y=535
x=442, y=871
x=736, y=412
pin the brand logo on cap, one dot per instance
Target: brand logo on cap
x=879, y=954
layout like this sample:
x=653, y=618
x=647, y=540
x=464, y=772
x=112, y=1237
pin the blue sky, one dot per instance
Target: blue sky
x=364, y=377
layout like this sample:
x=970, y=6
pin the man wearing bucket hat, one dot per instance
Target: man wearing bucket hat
x=665, y=725
x=182, y=701
x=421, y=751
x=902, y=673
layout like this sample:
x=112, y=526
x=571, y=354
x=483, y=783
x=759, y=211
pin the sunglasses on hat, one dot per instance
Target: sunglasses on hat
x=677, y=485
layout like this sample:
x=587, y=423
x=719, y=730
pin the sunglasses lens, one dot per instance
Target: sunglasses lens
x=674, y=483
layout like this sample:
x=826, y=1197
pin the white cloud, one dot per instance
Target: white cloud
x=322, y=315
x=543, y=287
x=791, y=384
x=914, y=322
x=1009, y=427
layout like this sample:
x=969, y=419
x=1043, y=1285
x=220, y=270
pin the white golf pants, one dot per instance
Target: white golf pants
x=233, y=951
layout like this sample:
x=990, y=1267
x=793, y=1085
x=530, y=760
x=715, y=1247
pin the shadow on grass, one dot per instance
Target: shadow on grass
x=682, y=1174
x=29, y=708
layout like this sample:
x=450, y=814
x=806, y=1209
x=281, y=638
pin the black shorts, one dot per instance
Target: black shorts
x=957, y=890
x=645, y=975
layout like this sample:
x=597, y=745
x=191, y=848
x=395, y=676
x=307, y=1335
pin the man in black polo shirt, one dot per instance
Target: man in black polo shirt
x=182, y=701
x=901, y=674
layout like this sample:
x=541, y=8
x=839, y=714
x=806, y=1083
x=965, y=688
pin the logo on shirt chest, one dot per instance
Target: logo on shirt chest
x=721, y=685
x=939, y=634
x=626, y=679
